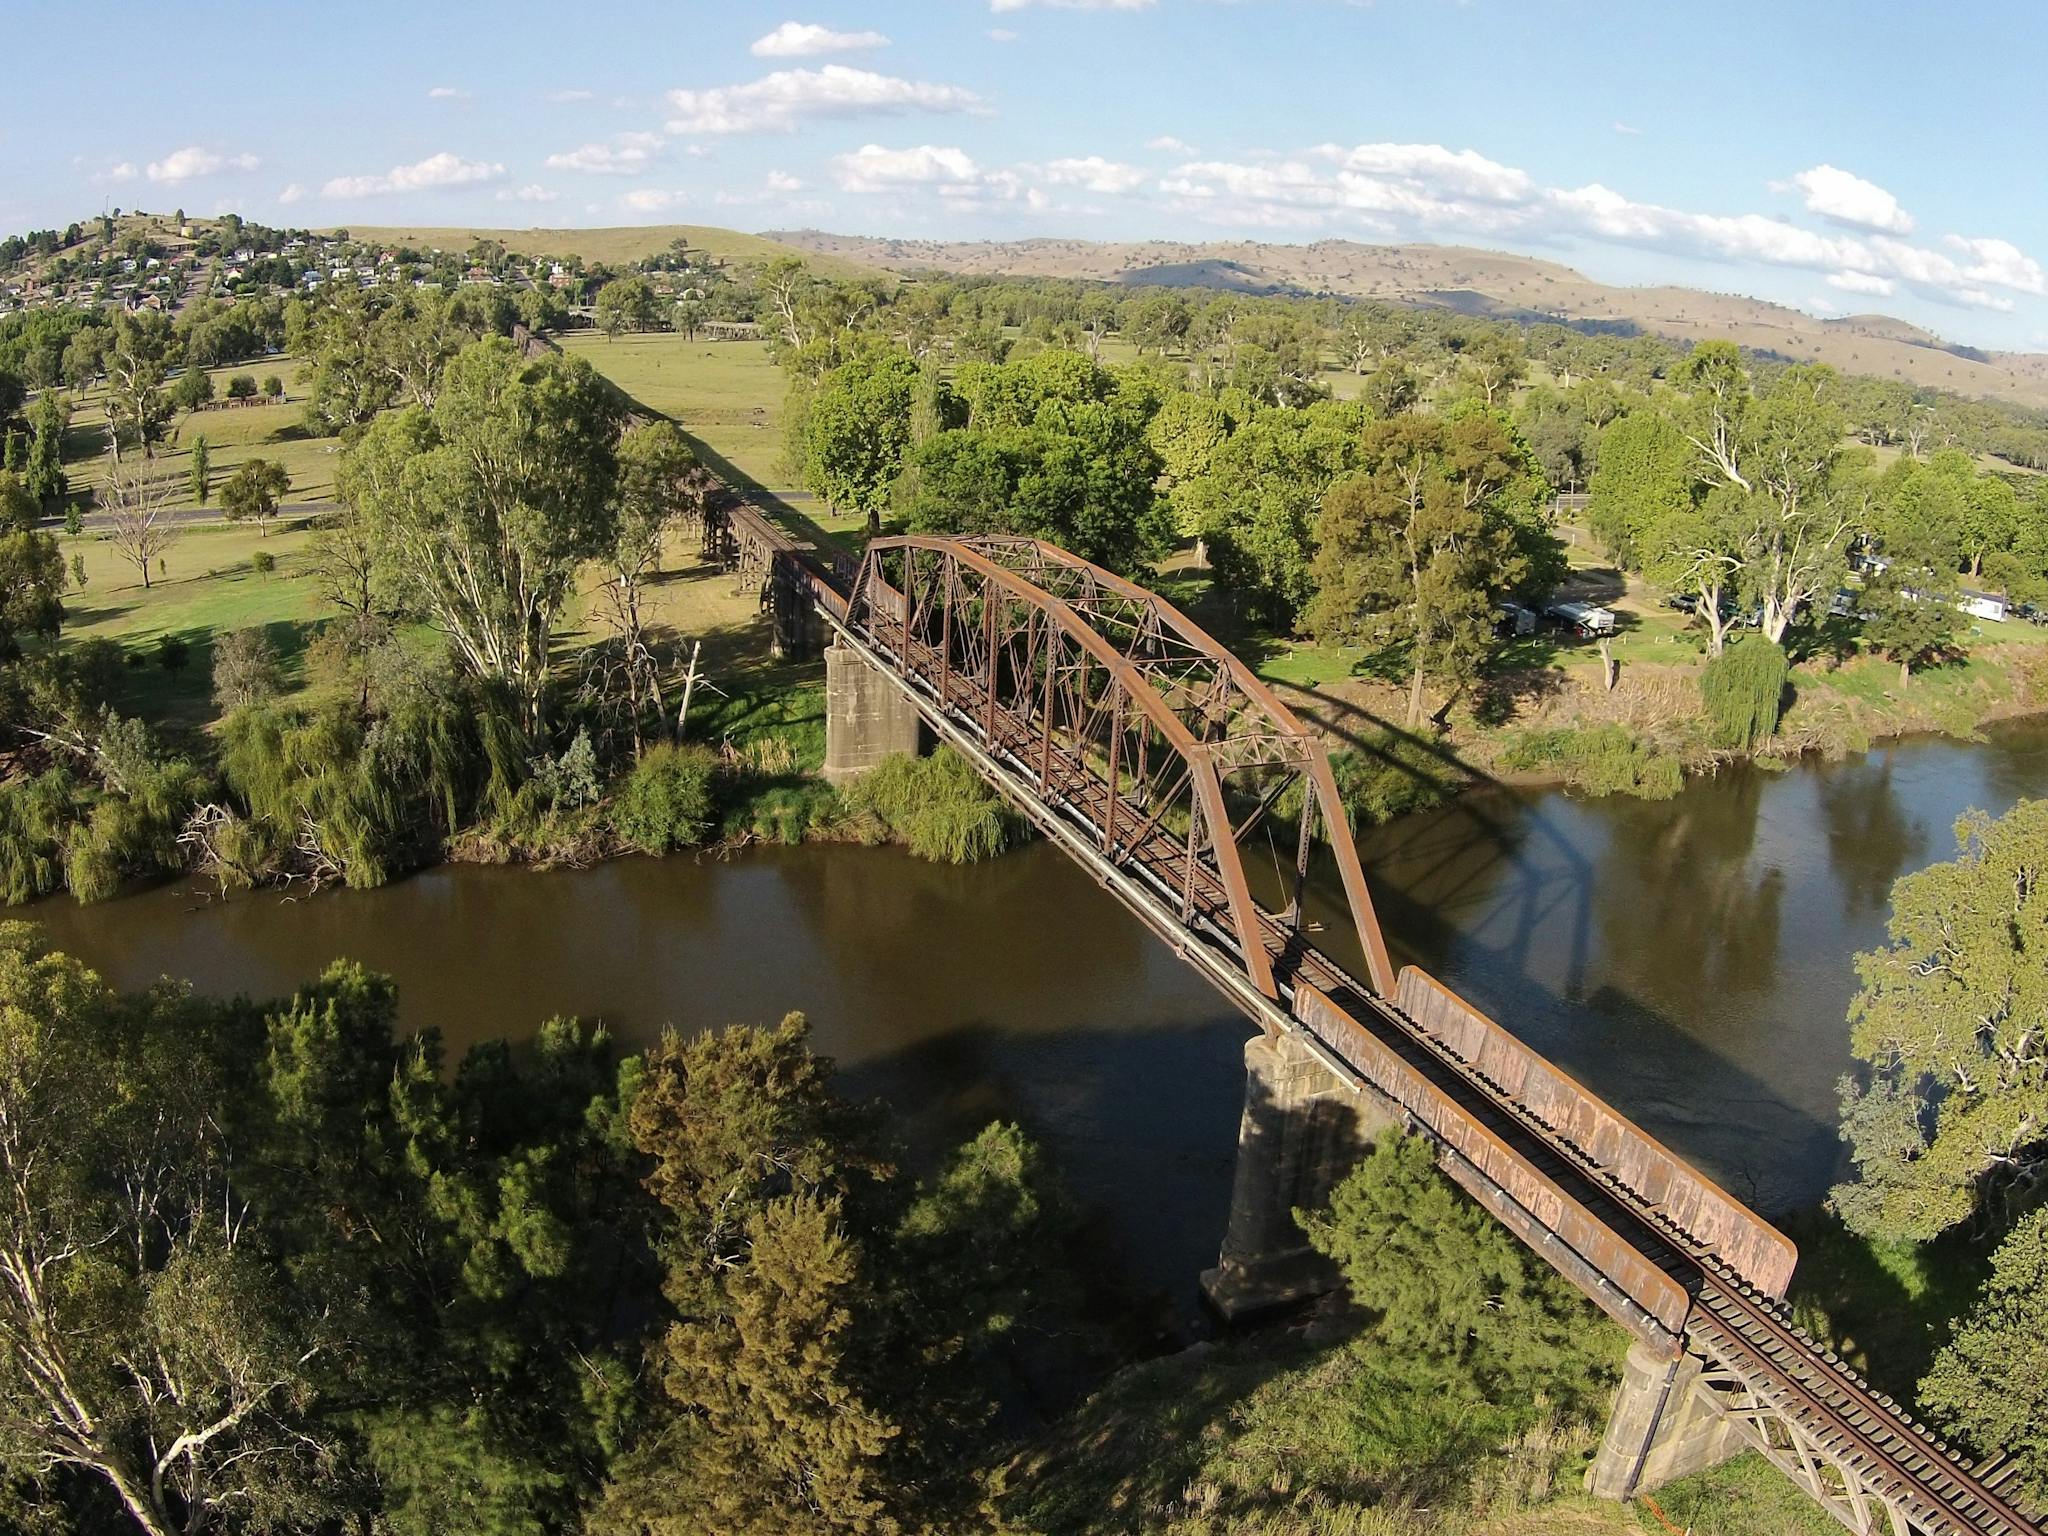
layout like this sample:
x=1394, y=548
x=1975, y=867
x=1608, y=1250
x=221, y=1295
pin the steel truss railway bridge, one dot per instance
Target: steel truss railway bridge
x=1150, y=754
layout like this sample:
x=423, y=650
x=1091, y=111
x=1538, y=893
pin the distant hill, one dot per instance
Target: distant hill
x=627, y=243
x=1490, y=283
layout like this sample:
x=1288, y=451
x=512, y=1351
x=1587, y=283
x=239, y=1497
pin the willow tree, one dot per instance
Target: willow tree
x=489, y=501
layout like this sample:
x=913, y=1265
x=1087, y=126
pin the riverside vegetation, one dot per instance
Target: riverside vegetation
x=301, y=1273
x=356, y=1286
x=485, y=671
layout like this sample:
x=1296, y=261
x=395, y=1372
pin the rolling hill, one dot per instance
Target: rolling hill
x=1489, y=283
x=625, y=243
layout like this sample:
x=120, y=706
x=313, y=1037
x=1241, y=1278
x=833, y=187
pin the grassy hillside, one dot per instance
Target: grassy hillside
x=1491, y=283
x=627, y=243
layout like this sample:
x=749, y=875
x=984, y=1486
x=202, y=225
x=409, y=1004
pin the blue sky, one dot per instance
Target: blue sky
x=1839, y=157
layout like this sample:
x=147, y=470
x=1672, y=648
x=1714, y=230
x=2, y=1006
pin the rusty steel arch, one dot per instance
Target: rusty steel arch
x=1062, y=663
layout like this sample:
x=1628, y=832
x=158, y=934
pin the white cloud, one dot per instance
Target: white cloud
x=1842, y=198
x=781, y=182
x=1168, y=144
x=1094, y=174
x=1627, y=130
x=779, y=101
x=1002, y=35
x=806, y=39
x=564, y=97
x=2001, y=263
x=191, y=162
x=441, y=170
x=871, y=168
x=447, y=93
x=1394, y=189
x=1431, y=173
x=1862, y=282
x=1000, y=6
x=628, y=154
x=123, y=170
x=532, y=192
x=650, y=200
x=292, y=193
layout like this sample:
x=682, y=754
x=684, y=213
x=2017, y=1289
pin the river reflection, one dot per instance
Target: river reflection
x=1689, y=960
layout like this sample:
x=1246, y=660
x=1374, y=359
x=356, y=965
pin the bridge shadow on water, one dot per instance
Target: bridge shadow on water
x=1636, y=944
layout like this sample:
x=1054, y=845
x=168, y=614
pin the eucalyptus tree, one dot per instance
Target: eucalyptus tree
x=490, y=501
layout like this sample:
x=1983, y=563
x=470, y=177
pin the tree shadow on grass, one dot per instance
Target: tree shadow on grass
x=1502, y=696
x=1886, y=1309
x=180, y=697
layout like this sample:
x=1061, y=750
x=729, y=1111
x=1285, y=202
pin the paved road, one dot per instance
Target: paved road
x=200, y=517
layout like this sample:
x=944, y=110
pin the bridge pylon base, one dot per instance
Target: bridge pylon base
x=1660, y=1429
x=1303, y=1130
x=867, y=716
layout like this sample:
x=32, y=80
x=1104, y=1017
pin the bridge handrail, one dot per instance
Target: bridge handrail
x=1314, y=760
x=1651, y=1174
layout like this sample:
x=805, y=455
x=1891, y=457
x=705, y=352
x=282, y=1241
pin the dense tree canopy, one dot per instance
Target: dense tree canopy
x=1441, y=520
x=1950, y=1111
x=1989, y=1385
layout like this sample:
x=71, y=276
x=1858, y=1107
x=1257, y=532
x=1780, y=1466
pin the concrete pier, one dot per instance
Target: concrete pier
x=1302, y=1131
x=1659, y=1429
x=867, y=717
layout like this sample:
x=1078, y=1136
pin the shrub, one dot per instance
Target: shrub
x=666, y=801
x=1387, y=775
x=935, y=805
x=263, y=562
x=273, y=386
x=245, y=670
x=1744, y=688
x=1602, y=760
x=241, y=387
x=173, y=653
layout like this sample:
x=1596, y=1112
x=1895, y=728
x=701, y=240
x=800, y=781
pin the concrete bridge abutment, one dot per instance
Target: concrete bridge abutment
x=1660, y=1428
x=867, y=716
x=1303, y=1130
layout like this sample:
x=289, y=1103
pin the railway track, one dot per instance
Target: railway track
x=1751, y=1336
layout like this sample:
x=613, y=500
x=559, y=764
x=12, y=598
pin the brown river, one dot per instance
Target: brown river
x=1689, y=960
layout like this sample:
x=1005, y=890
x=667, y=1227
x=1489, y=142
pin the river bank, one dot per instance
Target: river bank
x=1689, y=960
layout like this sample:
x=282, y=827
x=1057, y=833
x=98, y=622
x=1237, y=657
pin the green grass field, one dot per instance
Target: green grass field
x=232, y=438
x=207, y=588
x=725, y=394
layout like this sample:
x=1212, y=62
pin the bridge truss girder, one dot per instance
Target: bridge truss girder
x=1109, y=692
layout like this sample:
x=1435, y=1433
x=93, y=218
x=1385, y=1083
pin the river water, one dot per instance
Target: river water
x=1689, y=960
